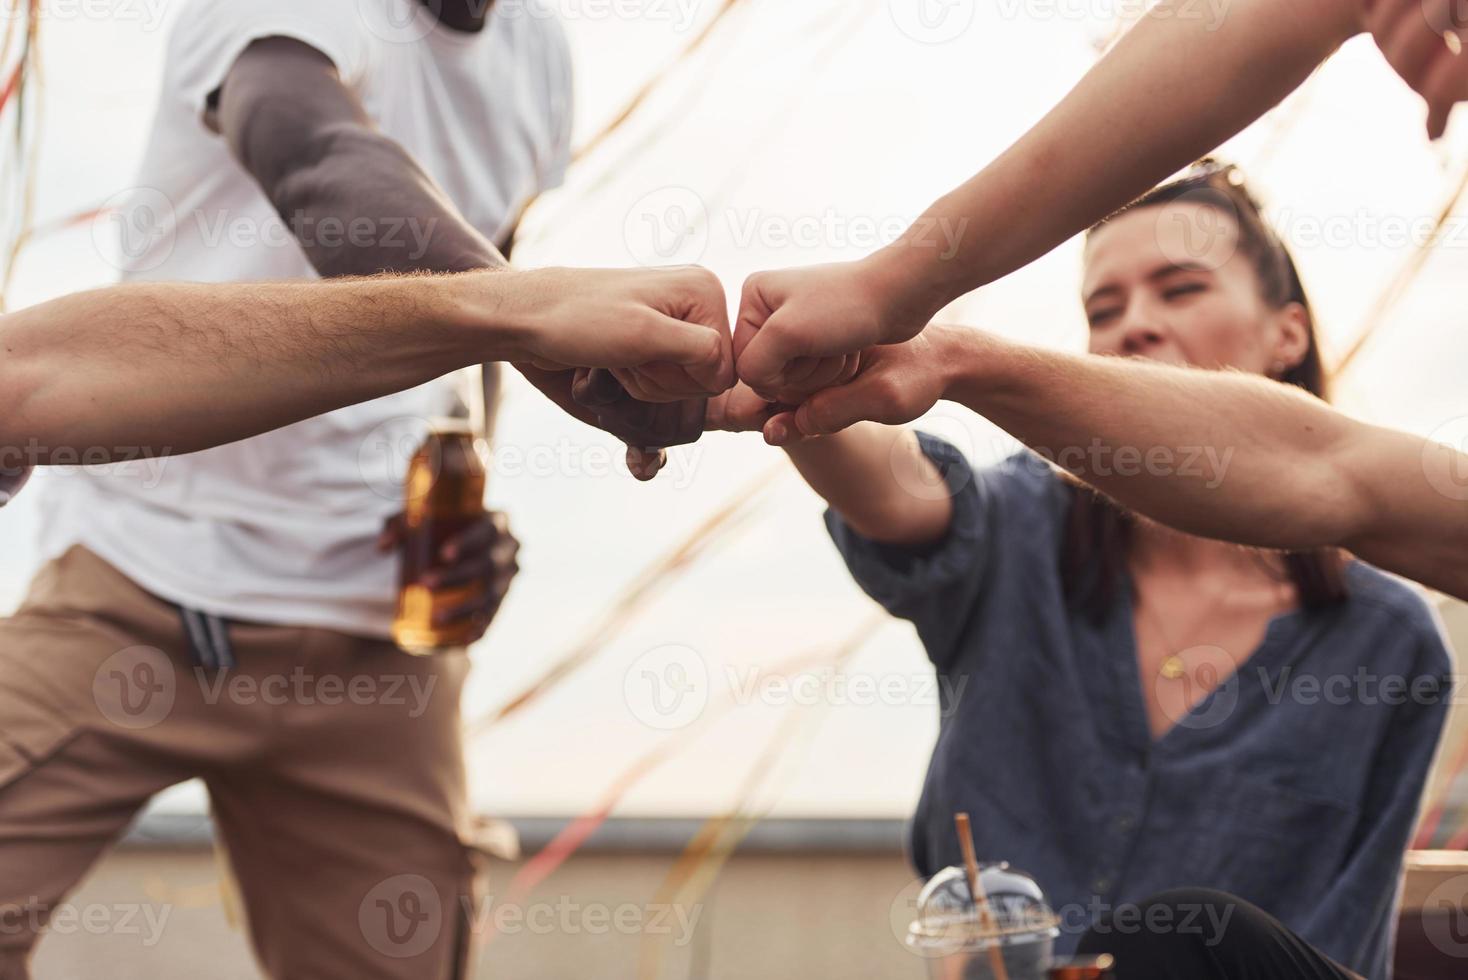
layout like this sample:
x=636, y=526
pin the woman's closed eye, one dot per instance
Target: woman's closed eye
x=1101, y=317
x=1183, y=290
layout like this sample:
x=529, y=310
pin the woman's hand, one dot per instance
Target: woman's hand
x=801, y=330
x=895, y=385
x=1424, y=41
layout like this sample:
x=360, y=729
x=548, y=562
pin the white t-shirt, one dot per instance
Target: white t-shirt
x=281, y=528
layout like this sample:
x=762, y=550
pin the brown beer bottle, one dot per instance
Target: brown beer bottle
x=444, y=496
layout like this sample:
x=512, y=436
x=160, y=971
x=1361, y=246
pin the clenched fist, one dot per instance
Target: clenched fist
x=801, y=330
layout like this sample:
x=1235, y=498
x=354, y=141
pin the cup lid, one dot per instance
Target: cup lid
x=947, y=916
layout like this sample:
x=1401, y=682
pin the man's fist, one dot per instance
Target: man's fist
x=1424, y=41
x=663, y=332
x=801, y=330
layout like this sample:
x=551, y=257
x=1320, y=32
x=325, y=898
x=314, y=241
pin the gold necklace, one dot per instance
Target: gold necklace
x=1173, y=667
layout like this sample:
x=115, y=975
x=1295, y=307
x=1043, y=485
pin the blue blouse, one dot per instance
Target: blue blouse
x=1295, y=784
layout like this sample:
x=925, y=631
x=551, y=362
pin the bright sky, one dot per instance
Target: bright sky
x=803, y=133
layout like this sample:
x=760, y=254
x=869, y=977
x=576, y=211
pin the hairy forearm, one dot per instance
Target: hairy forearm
x=880, y=482
x=161, y=369
x=1221, y=455
x=1174, y=88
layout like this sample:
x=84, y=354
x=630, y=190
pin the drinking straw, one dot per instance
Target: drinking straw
x=981, y=900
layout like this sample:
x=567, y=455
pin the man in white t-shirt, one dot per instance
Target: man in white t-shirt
x=230, y=618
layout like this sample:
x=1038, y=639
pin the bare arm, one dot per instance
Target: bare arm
x=357, y=201
x=1176, y=86
x=167, y=368
x=1173, y=89
x=1228, y=456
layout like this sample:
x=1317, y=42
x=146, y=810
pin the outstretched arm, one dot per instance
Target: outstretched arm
x=167, y=368
x=1228, y=456
x=1174, y=88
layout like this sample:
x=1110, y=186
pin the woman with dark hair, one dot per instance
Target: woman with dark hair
x=1145, y=710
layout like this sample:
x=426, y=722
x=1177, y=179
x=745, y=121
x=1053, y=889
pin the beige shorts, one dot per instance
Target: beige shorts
x=334, y=765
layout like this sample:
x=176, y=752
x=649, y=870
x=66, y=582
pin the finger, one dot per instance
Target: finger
x=665, y=383
x=830, y=411
x=632, y=386
x=781, y=430
x=1444, y=87
x=1412, y=45
x=478, y=568
x=392, y=532
x=765, y=359
x=597, y=388
x=476, y=538
x=754, y=310
x=645, y=464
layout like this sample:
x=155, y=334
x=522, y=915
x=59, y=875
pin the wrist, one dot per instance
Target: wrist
x=977, y=367
x=493, y=316
x=902, y=275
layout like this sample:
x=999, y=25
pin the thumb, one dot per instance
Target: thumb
x=680, y=342
x=763, y=361
x=834, y=409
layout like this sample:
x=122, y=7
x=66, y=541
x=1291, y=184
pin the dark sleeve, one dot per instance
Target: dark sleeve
x=1362, y=899
x=936, y=588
